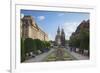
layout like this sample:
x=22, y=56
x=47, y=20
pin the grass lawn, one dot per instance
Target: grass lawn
x=65, y=57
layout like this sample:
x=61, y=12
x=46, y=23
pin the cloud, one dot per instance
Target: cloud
x=41, y=17
x=60, y=14
x=69, y=28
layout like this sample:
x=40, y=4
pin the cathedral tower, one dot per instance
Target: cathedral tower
x=62, y=37
x=57, y=39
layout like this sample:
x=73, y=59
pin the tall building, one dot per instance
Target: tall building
x=60, y=38
x=29, y=29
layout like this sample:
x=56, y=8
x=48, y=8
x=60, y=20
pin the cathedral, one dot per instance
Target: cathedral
x=60, y=38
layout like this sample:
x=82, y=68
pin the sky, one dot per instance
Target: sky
x=49, y=21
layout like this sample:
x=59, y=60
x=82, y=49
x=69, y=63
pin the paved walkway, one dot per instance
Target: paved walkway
x=40, y=57
x=77, y=55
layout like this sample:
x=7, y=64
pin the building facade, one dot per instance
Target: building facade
x=29, y=29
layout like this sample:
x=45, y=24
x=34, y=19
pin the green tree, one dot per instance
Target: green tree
x=22, y=50
x=39, y=44
x=47, y=44
x=80, y=40
x=74, y=41
x=34, y=47
x=28, y=45
x=84, y=39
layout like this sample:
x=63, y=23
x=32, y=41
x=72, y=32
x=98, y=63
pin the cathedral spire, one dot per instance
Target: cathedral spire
x=58, y=31
x=62, y=37
x=62, y=32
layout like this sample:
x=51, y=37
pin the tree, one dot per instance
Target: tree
x=47, y=44
x=84, y=39
x=28, y=45
x=34, y=47
x=38, y=44
x=74, y=41
x=80, y=40
x=22, y=50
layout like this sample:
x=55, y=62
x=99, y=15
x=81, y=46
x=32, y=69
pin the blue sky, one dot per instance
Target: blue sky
x=49, y=21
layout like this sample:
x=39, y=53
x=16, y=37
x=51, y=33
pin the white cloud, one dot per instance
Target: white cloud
x=69, y=28
x=41, y=17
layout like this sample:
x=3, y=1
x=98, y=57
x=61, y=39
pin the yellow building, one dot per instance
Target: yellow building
x=29, y=29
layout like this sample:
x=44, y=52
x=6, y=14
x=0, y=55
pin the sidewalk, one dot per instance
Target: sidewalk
x=77, y=55
x=39, y=58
